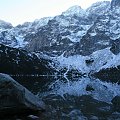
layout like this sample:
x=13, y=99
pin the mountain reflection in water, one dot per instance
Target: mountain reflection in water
x=74, y=98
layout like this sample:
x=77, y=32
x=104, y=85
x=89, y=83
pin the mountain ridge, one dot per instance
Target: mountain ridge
x=67, y=21
x=71, y=35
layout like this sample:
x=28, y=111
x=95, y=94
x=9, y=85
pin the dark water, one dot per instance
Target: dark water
x=62, y=96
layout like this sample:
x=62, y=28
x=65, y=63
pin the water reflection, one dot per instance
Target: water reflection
x=39, y=83
x=63, y=96
x=61, y=85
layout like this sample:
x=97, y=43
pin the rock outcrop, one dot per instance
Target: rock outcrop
x=16, y=99
x=116, y=103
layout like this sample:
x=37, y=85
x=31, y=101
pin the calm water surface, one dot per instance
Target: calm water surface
x=62, y=95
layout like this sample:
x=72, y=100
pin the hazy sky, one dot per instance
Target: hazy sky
x=19, y=11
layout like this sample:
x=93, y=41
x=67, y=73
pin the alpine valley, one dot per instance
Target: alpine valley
x=82, y=47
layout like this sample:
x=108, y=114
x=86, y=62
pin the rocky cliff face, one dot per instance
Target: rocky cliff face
x=55, y=35
x=103, y=33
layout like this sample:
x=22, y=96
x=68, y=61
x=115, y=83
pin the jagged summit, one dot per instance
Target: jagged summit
x=115, y=3
x=74, y=10
x=97, y=9
x=5, y=25
x=36, y=23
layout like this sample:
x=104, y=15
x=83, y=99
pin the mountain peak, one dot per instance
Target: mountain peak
x=5, y=25
x=100, y=4
x=98, y=8
x=115, y=3
x=74, y=10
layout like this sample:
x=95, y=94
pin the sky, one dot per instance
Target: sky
x=20, y=11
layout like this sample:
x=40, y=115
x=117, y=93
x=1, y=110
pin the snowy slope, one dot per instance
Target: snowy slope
x=72, y=62
x=101, y=59
x=113, y=62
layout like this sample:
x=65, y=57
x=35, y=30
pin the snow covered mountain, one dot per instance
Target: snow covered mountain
x=53, y=35
x=87, y=40
x=14, y=37
x=103, y=33
x=98, y=9
x=5, y=25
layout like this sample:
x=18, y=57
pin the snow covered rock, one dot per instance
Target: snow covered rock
x=78, y=32
x=16, y=99
x=51, y=35
x=97, y=9
x=115, y=3
x=115, y=46
x=75, y=10
x=5, y=25
x=103, y=64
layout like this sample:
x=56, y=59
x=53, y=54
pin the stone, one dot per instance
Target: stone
x=116, y=103
x=89, y=62
x=89, y=88
x=32, y=117
x=16, y=99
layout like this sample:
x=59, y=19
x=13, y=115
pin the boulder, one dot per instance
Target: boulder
x=89, y=88
x=116, y=103
x=16, y=99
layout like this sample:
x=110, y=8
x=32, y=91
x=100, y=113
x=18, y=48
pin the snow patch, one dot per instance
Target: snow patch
x=101, y=59
x=75, y=10
x=75, y=62
x=20, y=42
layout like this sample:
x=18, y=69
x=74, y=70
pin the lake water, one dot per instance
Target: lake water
x=62, y=95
